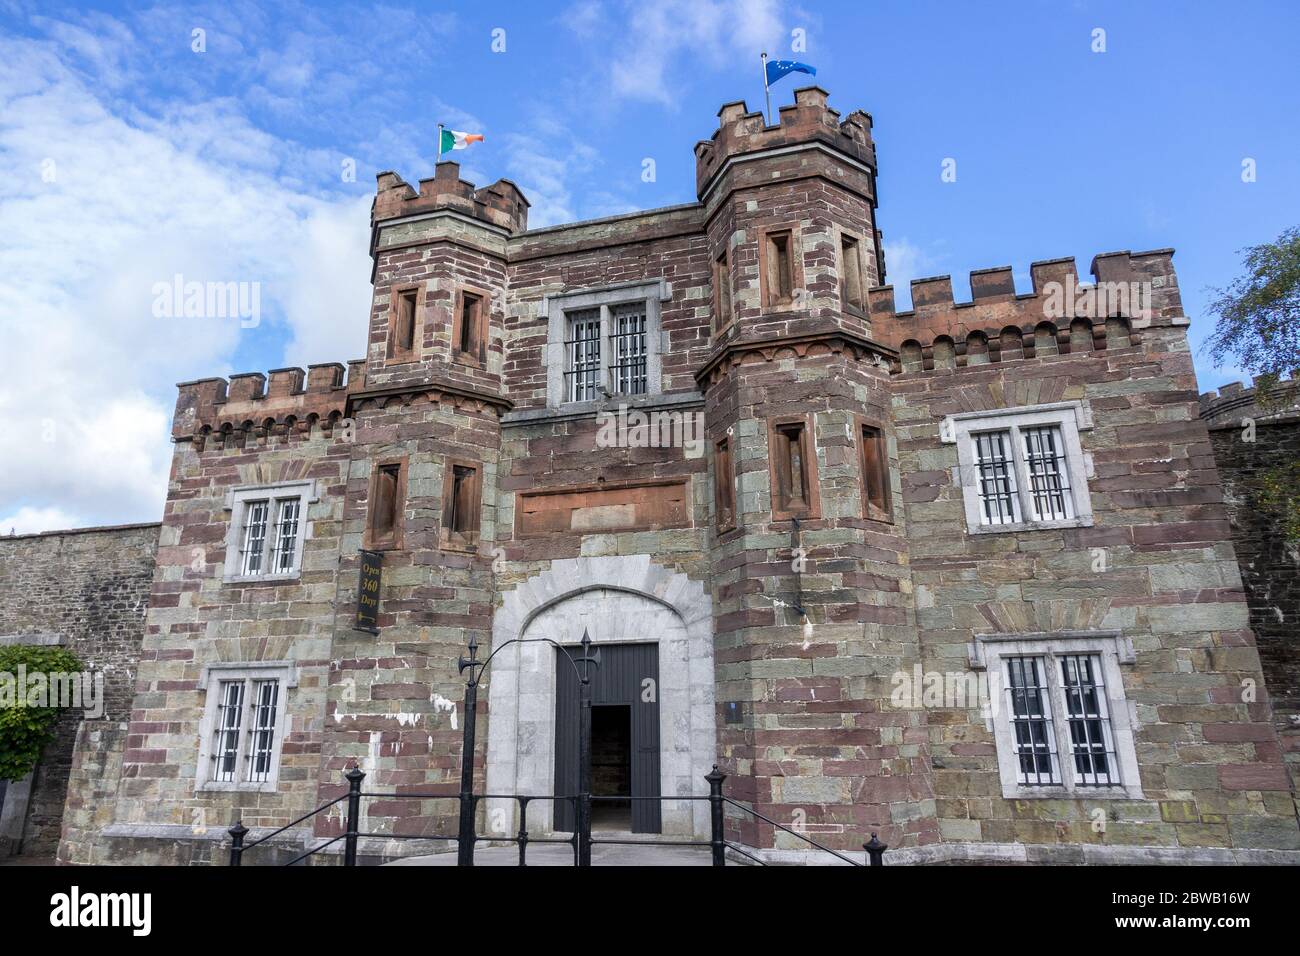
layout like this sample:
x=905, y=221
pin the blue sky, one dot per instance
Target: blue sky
x=131, y=158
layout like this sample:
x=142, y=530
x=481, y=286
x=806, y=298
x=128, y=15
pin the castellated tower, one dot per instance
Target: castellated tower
x=812, y=589
x=961, y=575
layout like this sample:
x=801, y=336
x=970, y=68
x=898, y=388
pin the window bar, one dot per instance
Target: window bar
x=286, y=536
x=1049, y=483
x=250, y=555
x=225, y=745
x=629, y=349
x=1091, y=738
x=1031, y=722
x=997, y=483
x=582, y=350
x=266, y=694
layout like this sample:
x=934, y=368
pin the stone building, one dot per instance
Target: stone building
x=962, y=575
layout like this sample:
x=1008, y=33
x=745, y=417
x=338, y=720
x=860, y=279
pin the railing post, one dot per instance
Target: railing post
x=354, y=778
x=715, y=816
x=523, y=830
x=237, y=834
x=876, y=850
x=465, y=840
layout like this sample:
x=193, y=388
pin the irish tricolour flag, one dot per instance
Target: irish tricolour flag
x=455, y=139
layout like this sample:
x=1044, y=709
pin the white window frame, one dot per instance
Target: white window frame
x=237, y=503
x=1070, y=417
x=989, y=651
x=556, y=308
x=211, y=680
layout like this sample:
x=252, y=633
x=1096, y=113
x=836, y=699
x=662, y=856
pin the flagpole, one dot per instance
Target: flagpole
x=439, y=144
x=767, y=96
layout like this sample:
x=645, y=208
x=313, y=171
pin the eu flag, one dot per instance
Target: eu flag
x=779, y=68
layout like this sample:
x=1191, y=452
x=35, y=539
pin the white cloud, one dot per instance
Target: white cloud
x=36, y=520
x=905, y=261
x=652, y=49
x=100, y=203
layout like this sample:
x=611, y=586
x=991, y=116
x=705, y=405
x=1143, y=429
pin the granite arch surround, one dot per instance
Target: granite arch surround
x=618, y=599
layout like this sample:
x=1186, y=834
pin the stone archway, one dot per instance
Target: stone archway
x=624, y=599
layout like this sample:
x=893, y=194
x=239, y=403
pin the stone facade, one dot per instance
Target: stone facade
x=86, y=591
x=1249, y=441
x=790, y=595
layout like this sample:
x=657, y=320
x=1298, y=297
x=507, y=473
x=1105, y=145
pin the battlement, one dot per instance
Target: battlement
x=808, y=120
x=1235, y=401
x=501, y=204
x=1132, y=291
x=292, y=401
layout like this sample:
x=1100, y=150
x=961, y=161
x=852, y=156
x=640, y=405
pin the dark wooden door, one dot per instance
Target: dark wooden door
x=628, y=675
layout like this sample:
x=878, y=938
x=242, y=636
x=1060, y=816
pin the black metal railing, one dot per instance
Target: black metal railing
x=581, y=839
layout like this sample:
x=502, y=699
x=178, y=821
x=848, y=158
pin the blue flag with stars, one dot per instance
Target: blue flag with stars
x=779, y=68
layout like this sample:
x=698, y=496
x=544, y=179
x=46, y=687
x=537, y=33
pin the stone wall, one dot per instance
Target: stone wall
x=1250, y=441
x=1156, y=565
x=86, y=590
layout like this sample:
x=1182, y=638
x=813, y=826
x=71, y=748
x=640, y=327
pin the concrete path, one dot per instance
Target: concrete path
x=551, y=854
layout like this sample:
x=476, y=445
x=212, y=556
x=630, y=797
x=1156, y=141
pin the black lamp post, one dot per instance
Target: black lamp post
x=465, y=844
x=584, y=748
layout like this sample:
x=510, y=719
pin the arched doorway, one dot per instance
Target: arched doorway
x=623, y=603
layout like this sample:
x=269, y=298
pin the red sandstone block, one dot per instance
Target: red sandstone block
x=1254, y=776
x=1236, y=733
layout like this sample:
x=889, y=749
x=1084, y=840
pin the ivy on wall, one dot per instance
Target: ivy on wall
x=28, y=708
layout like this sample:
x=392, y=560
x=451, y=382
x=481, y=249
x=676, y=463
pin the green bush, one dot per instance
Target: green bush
x=24, y=730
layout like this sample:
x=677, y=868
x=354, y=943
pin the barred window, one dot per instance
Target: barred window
x=254, y=546
x=605, y=342
x=1049, y=479
x=230, y=713
x=582, y=350
x=1091, y=738
x=285, y=550
x=1063, y=726
x=266, y=696
x=1022, y=468
x=267, y=530
x=628, y=349
x=997, y=478
x=1031, y=720
x=244, y=720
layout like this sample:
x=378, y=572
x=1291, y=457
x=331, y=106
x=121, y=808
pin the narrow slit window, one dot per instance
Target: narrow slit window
x=582, y=352
x=780, y=269
x=1031, y=721
x=628, y=349
x=875, y=472
x=722, y=288
x=724, y=491
x=791, y=468
x=461, y=505
x=384, y=504
x=851, y=286
x=403, y=341
x=997, y=478
x=469, y=339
